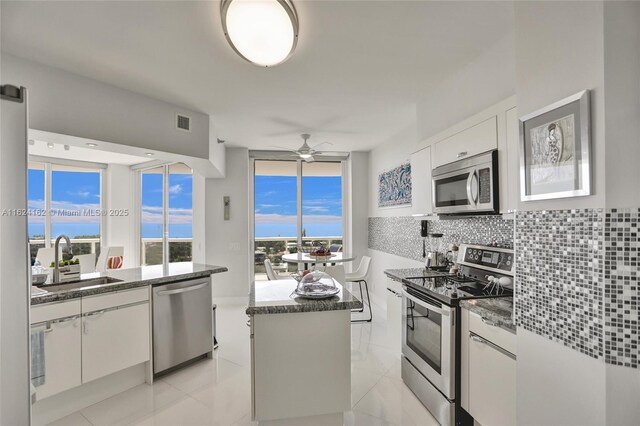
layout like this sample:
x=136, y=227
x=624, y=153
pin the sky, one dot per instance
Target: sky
x=275, y=204
x=276, y=207
x=79, y=192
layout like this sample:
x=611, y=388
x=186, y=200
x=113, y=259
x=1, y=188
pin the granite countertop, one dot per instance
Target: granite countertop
x=130, y=278
x=498, y=311
x=274, y=297
x=403, y=274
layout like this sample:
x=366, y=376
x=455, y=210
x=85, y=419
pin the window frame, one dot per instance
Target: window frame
x=48, y=163
x=140, y=169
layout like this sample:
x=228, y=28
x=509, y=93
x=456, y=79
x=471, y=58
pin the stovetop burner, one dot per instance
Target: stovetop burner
x=449, y=288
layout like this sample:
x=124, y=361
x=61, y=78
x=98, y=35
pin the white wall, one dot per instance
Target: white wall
x=122, y=230
x=622, y=101
x=227, y=241
x=559, y=54
x=69, y=104
x=199, y=219
x=357, y=228
x=557, y=385
x=485, y=81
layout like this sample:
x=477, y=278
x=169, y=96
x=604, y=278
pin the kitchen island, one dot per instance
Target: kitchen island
x=300, y=352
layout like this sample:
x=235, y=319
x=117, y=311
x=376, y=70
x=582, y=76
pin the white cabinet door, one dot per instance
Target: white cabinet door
x=62, y=356
x=394, y=315
x=492, y=383
x=421, y=182
x=475, y=140
x=114, y=339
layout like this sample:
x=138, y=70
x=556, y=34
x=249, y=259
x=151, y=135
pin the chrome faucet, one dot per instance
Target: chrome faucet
x=56, y=266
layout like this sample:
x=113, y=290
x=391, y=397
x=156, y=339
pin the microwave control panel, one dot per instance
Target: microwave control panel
x=491, y=258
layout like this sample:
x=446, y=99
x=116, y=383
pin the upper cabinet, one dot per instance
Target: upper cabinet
x=473, y=140
x=421, y=182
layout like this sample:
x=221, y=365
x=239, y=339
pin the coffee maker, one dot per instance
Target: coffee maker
x=434, y=258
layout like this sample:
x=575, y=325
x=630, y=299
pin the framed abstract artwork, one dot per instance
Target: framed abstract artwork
x=394, y=187
x=555, y=157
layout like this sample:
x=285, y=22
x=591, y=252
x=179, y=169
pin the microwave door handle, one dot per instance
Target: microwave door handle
x=469, y=183
x=474, y=176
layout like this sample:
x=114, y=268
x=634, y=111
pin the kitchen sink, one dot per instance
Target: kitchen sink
x=79, y=284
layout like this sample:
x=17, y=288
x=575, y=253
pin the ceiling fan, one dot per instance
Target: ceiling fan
x=306, y=152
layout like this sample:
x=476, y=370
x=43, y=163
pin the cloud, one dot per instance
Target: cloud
x=83, y=194
x=274, y=218
x=175, y=189
x=153, y=215
x=315, y=209
x=88, y=213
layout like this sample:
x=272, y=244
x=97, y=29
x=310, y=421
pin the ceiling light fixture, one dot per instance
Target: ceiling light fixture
x=264, y=32
x=91, y=144
x=49, y=145
x=149, y=154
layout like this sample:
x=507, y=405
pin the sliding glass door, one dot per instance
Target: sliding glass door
x=297, y=206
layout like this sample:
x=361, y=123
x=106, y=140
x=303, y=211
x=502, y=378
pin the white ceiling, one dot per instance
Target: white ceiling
x=40, y=148
x=354, y=79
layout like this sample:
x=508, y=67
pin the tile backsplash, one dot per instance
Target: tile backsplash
x=576, y=271
x=621, y=289
x=400, y=235
x=559, y=270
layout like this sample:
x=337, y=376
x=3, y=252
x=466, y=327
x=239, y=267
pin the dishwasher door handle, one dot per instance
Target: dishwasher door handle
x=182, y=290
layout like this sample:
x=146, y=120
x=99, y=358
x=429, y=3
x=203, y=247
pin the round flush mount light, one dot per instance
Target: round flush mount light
x=264, y=32
x=91, y=144
x=149, y=154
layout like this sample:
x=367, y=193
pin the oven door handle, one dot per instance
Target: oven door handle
x=425, y=304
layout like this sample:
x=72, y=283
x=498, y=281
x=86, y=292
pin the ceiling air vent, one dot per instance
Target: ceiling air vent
x=183, y=122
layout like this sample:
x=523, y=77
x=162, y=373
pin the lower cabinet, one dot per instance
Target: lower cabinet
x=114, y=339
x=394, y=315
x=488, y=371
x=62, y=341
x=92, y=337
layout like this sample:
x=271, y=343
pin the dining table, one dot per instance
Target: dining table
x=309, y=259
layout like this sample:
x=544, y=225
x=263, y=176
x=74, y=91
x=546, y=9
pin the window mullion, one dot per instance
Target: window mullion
x=165, y=214
x=47, y=205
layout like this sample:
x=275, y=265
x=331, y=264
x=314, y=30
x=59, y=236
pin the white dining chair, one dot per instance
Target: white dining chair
x=271, y=274
x=87, y=262
x=337, y=273
x=105, y=254
x=360, y=277
x=47, y=255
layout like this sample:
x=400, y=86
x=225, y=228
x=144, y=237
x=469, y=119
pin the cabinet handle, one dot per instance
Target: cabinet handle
x=479, y=339
x=488, y=322
x=182, y=289
x=92, y=314
x=461, y=154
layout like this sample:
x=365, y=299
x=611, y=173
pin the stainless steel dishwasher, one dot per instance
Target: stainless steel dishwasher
x=182, y=322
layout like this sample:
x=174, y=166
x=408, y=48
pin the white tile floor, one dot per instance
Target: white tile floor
x=217, y=391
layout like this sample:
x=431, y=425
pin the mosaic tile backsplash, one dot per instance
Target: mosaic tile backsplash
x=559, y=270
x=576, y=271
x=621, y=290
x=401, y=235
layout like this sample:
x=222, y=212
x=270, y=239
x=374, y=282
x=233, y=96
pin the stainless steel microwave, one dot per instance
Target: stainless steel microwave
x=468, y=186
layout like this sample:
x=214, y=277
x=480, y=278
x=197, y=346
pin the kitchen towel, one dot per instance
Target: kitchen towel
x=37, y=355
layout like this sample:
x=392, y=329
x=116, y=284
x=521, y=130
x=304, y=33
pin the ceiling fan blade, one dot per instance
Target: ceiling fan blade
x=283, y=148
x=321, y=143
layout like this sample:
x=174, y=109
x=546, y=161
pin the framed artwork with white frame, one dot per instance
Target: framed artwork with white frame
x=555, y=150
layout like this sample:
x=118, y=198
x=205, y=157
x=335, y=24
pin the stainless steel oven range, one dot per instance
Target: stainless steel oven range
x=430, y=335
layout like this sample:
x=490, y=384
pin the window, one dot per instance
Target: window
x=297, y=205
x=64, y=199
x=166, y=214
